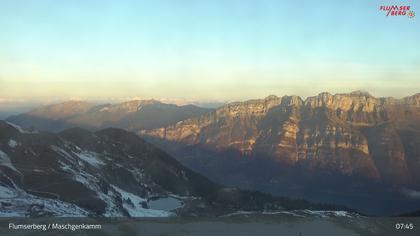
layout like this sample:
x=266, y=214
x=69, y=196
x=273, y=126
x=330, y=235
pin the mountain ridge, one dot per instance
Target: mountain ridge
x=340, y=131
x=323, y=143
x=128, y=115
x=111, y=173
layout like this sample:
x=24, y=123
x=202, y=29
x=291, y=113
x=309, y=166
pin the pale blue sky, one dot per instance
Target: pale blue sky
x=204, y=50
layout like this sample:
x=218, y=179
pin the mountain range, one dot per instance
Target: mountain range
x=354, y=133
x=350, y=149
x=310, y=148
x=111, y=173
x=131, y=115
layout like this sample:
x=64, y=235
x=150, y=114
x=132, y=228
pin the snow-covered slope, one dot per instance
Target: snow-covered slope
x=78, y=173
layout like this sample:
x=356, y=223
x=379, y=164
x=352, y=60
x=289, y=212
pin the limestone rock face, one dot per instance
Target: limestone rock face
x=355, y=133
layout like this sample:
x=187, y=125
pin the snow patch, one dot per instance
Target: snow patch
x=91, y=182
x=298, y=213
x=20, y=129
x=91, y=158
x=341, y=213
x=132, y=203
x=5, y=161
x=62, y=153
x=7, y=192
x=17, y=203
x=19, y=207
x=411, y=193
x=12, y=143
x=324, y=214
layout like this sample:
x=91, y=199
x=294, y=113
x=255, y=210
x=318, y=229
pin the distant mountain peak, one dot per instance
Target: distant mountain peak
x=292, y=100
x=271, y=97
x=63, y=109
x=325, y=94
x=133, y=105
x=361, y=93
x=134, y=114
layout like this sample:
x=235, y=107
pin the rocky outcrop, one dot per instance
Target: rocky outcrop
x=355, y=133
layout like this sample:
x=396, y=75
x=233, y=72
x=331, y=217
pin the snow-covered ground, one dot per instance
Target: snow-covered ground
x=21, y=206
x=298, y=213
x=17, y=203
x=5, y=161
x=133, y=204
x=6, y=193
x=91, y=158
x=20, y=129
x=73, y=163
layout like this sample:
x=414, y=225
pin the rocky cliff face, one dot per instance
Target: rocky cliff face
x=356, y=133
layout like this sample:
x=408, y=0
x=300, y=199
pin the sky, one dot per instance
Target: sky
x=209, y=50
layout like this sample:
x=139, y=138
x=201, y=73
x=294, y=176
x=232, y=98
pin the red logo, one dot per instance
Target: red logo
x=411, y=14
x=397, y=10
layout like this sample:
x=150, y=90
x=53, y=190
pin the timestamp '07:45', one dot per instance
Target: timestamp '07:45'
x=404, y=226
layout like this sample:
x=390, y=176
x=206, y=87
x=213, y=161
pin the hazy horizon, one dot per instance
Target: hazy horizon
x=203, y=50
x=23, y=103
